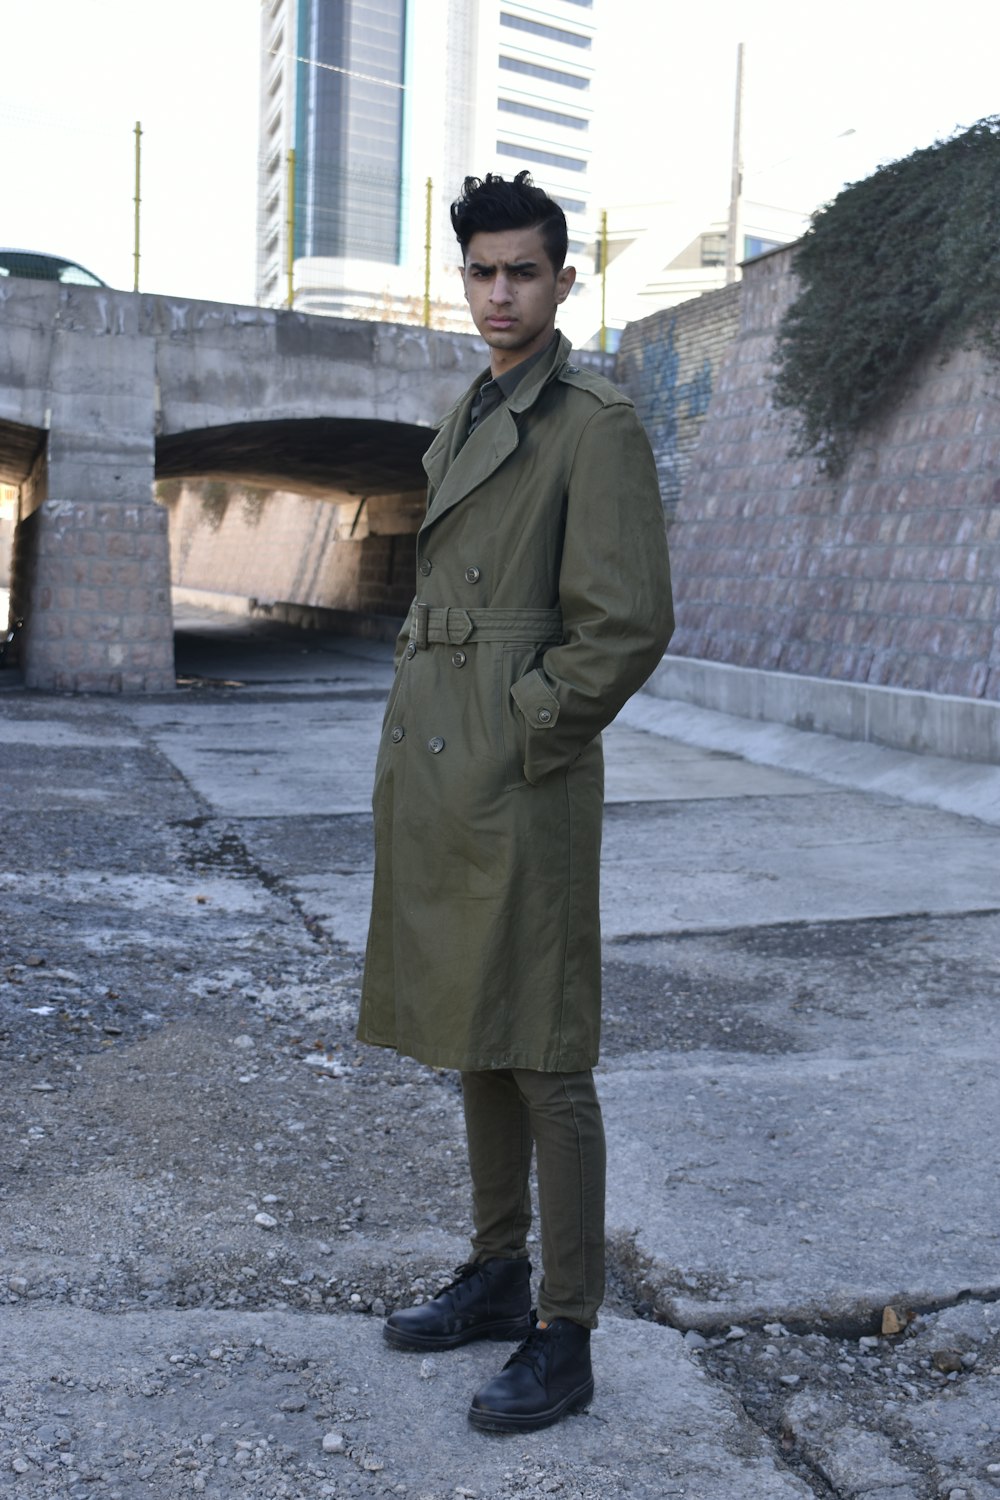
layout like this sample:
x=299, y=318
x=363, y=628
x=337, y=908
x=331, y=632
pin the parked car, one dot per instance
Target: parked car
x=46, y=268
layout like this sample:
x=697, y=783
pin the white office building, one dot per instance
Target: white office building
x=375, y=98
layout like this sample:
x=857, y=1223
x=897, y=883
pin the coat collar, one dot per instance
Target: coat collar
x=455, y=467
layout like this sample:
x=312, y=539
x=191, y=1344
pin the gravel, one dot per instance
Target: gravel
x=189, y=1129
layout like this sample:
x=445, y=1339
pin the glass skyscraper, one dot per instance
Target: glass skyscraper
x=349, y=129
x=376, y=97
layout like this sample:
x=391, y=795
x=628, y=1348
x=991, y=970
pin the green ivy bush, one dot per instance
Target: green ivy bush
x=906, y=259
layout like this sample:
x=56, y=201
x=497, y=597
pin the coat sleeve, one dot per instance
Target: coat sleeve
x=614, y=592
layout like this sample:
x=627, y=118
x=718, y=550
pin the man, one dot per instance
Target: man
x=543, y=603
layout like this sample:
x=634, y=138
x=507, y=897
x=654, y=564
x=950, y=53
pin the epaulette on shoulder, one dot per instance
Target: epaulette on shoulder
x=596, y=385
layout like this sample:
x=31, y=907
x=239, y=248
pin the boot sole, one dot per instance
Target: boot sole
x=507, y=1329
x=502, y=1421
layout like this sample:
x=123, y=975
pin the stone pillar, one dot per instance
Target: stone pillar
x=96, y=574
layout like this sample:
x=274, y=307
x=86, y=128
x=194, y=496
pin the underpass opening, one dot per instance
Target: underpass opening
x=22, y=489
x=310, y=522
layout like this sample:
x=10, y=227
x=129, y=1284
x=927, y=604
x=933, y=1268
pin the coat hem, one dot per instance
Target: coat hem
x=574, y=1062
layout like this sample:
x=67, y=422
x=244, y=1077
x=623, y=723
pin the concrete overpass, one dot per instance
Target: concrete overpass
x=101, y=392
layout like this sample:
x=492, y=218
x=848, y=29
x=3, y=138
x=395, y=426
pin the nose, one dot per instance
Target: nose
x=500, y=290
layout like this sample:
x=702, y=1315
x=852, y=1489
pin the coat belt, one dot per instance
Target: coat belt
x=453, y=626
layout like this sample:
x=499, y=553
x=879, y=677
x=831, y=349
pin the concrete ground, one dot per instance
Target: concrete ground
x=210, y=1194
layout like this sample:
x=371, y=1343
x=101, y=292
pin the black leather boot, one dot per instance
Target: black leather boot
x=549, y=1377
x=490, y=1299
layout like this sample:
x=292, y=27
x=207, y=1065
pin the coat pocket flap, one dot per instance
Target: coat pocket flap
x=536, y=700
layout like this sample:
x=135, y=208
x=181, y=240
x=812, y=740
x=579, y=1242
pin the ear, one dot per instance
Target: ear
x=564, y=282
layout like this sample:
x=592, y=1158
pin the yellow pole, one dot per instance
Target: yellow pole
x=427, y=253
x=290, y=228
x=604, y=279
x=136, y=200
x=735, y=230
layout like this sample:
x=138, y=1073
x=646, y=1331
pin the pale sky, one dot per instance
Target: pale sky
x=79, y=73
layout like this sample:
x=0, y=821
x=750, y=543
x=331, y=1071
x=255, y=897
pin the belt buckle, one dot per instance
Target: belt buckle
x=421, y=617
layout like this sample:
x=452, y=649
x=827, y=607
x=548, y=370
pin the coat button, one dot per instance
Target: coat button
x=436, y=745
x=397, y=734
x=545, y=716
x=425, y=566
x=411, y=649
x=459, y=659
x=472, y=575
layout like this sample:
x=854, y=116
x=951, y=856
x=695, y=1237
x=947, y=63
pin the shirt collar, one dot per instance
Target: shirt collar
x=511, y=379
x=497, y=389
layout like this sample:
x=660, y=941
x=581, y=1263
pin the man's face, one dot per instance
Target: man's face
x=513, y=292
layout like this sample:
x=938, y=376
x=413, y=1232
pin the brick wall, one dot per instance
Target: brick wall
x=891, y=574
x=668, y=363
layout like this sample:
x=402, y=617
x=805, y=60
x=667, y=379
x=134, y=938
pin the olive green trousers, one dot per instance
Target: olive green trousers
x=509, y=1111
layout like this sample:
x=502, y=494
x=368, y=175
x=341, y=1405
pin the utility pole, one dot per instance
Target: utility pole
x=428, y=212
x=735, y=232
x=604, y=280
x=136, y=201
x=290, y=229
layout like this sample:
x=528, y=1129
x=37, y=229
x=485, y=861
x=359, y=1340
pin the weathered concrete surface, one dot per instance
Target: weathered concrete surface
x=217, y=365
x=959, y=786
x=100, y=390
x=922, y=723
x=801, y=1117
x=663, y=1427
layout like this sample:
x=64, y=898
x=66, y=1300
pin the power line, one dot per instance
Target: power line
x=314, y=62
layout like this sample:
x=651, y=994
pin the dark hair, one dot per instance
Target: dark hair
x=490, y=204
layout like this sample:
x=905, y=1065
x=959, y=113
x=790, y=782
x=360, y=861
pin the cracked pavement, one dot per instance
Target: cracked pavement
x=210, y=1194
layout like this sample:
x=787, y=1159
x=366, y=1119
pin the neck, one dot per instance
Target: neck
x=503, y=360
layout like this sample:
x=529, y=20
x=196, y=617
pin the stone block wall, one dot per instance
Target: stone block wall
x=669, y=363
x=7, y=525
x=282, y=547
x=97, y=577
x=889, y=575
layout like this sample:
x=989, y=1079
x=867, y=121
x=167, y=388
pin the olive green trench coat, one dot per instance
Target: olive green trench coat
x=543, y=602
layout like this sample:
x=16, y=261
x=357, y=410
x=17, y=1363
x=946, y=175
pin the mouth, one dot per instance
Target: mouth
x=500, y=322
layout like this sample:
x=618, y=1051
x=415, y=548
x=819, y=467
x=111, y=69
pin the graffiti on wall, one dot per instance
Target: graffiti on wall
x=671, y=409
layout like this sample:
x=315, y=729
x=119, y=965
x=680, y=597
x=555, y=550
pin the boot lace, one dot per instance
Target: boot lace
x=461, y=1274
x=532, y=1351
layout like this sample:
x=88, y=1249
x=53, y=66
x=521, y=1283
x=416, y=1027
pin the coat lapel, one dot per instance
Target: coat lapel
x=456, y=468
x=481, y=453
x=439, y=456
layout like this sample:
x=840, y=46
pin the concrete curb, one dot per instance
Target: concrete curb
x=921, y=723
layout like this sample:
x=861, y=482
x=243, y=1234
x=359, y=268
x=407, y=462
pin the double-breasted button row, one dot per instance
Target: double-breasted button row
x=411, y=649
x=434, y=745
x=459, y=659
x=425, y=566
x=473, y=575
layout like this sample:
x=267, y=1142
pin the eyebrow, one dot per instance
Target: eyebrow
x=513, y=265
